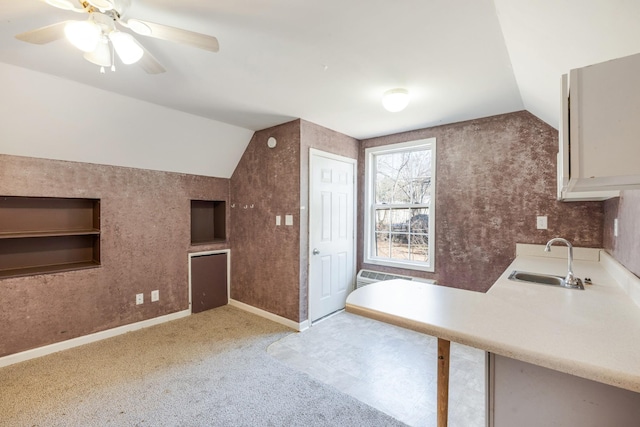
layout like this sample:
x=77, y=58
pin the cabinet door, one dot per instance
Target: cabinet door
x=208, y=282
x=526, y=395
x=605, y=130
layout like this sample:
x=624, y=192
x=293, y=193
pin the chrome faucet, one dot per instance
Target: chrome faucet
x=571, y=281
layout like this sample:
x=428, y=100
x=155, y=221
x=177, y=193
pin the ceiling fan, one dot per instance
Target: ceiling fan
x=100, y=38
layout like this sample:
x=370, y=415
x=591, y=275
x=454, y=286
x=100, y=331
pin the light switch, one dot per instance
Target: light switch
x=615, y=227
x=278, y=220
x=288, y=220
x=541, y=223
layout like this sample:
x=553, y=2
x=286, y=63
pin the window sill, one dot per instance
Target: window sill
x=400, y=264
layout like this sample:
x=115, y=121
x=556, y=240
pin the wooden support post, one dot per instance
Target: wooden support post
x=443, y=382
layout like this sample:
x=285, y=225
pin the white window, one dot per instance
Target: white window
x=400, y=205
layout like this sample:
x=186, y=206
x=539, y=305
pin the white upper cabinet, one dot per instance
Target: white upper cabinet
x=600, y=130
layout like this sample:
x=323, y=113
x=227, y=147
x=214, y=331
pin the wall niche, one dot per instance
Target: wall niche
x=47, y=235
x=208, y=221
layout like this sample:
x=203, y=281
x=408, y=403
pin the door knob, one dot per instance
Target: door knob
x=316, y=251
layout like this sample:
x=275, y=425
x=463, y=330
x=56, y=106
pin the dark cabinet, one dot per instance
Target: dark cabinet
x=208, y=281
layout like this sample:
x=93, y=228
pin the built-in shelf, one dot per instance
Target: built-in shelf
x=58, y=268
x=208, y=221
x=57, y=233
x=48, y=235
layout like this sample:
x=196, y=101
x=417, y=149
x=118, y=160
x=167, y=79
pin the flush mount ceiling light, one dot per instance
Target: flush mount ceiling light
x=395, y=100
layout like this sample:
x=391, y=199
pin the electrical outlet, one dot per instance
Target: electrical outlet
x=541, y=222
x=139, y=299
x=288, y=220
x=155, y=295
x=615, y=227
x=278, y=220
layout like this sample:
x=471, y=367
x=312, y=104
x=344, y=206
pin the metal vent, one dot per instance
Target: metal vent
x=366, y=277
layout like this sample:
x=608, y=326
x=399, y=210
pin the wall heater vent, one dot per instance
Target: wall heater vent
x=366, y=277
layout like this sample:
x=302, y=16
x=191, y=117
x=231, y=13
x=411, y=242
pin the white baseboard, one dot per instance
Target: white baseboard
x=270, y=316
x=86, y=339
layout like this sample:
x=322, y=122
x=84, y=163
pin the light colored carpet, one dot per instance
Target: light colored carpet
x=209, y=369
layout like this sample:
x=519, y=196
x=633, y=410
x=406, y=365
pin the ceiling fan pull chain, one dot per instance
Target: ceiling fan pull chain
x=113, y=58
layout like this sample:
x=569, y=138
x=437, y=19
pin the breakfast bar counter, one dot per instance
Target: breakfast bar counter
x=592, y=333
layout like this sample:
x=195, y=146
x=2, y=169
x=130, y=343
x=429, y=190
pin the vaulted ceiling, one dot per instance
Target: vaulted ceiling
x=329, y=61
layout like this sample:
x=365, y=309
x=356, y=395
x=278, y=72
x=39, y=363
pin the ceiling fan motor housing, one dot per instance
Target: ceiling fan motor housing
x=104, y=21
x=104, y=5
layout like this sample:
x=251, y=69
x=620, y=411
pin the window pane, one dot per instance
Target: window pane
x=400, y=246
x=419, y=222
x=403, y=177
x=382, y=219
x=419, y=247
x=382, y=245
x=400, y=220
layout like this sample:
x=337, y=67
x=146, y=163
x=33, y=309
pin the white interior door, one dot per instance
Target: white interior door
x=331, y=232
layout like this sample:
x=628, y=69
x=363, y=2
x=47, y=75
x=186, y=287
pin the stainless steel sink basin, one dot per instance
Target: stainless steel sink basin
x=542, y=279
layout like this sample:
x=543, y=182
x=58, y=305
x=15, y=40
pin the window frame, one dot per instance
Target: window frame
x=370, y=206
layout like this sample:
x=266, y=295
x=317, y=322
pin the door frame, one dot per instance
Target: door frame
x=203, y=253
x=354, y=164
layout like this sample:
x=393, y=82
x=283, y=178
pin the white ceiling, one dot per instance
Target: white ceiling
x=329, y=61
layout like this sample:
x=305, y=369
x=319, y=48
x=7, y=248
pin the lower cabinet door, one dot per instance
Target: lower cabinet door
x=526, y=395
x=208, y=282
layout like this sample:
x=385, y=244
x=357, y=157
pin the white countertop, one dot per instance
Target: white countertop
x=594, y=334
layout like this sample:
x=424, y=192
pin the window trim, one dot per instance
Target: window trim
x=369, y=206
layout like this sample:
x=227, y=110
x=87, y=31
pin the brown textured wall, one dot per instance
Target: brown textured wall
x=626, y=246
x=318, y=137
x=265, y=269
x=144, y=244
x=494, y=176
x=269, y=264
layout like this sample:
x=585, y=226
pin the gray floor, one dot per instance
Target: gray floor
x=389, y=368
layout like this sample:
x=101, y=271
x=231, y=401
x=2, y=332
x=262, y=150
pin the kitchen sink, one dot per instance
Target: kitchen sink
x=542, y=279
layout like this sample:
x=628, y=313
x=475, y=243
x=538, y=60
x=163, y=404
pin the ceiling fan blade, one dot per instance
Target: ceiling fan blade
x=64, y=5
x=150, y=64
x=44, y=35
x=164, y=32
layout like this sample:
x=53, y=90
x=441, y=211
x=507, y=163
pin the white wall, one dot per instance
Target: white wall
x=48, y=117
x=547, y=38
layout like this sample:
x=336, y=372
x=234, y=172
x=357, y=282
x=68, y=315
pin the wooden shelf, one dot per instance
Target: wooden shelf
x=208, y=242
x=42, y=269
x=48, y=235
x=57, y=233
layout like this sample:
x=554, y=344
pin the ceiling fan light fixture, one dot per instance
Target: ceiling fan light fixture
x=101, y=55
x=84, y=35
x=128, y=49
x=395, y=100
